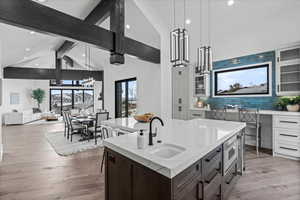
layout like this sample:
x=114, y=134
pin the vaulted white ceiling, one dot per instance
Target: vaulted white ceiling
x=15, y=40
x=249, y=26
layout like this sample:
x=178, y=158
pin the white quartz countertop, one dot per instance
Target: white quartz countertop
x=198, y=137
x=262, y=112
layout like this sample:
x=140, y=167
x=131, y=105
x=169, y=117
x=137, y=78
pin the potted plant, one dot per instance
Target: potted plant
x=38, y=95
x=290, y=103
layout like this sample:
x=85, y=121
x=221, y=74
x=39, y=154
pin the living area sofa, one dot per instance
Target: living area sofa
x=26, y=116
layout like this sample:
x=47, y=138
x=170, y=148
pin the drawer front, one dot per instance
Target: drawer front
x=287, y=122
x=186, y=177
x=229, y=180
x=287, y=135
x=288, y=148
x=212, y=191
x=197, y=114
x=212, y=165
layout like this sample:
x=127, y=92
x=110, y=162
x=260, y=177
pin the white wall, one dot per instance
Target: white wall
x=148, y=84
x=24, y=88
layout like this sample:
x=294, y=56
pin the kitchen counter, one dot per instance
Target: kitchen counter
x=262, y=112
x=198, y=137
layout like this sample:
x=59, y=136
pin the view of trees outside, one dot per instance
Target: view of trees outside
x=132, y=97
x=126, y=98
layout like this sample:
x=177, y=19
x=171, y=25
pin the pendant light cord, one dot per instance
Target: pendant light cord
x=209, y=22
x=200, y=21
x=174, y=10
x=184, y=13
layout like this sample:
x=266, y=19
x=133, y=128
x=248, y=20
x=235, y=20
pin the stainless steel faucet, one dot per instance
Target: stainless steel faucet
x=150, y=130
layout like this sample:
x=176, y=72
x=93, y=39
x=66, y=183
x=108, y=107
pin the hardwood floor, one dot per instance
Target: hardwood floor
x=31, y=170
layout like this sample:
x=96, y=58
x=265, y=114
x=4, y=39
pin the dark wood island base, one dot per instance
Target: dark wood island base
x=126, y=179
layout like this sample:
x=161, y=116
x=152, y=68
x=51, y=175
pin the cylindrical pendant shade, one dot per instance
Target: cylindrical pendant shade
x=179, y=47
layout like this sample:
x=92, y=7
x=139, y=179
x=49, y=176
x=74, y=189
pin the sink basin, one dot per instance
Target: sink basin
x=167, y=151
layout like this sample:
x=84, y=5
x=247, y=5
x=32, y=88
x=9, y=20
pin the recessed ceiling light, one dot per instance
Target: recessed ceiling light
x=230, y=2
x=188, y=21
x=127, y=26
x=27, y=49
x=83, y=55
x=32, y=32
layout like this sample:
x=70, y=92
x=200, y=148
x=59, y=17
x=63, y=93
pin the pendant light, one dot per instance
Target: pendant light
x=179, y=42
x=204, y=53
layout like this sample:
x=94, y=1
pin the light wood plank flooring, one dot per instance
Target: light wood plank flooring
x=31, y=170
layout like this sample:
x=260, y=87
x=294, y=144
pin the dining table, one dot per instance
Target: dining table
x=87, y=121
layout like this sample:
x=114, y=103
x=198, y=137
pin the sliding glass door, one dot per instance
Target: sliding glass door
x=125, y=97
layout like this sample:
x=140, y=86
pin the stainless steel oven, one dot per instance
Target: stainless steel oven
x=230, y=152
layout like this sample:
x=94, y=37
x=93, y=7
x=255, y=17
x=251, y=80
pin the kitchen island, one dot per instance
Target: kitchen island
x=196, y=159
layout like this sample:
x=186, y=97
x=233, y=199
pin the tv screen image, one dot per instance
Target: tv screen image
x=243, y=81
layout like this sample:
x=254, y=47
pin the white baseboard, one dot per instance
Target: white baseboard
x=1, y=152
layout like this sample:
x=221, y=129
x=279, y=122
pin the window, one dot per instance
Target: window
x=66, y=99
x=247, y=80
x=125, y=97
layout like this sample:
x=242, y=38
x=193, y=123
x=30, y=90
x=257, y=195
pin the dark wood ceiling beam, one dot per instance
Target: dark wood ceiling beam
x=142, y=51
x=34, y=16
x=117, y=25
x=99, y=14
x=49, y=74
x=69, y=61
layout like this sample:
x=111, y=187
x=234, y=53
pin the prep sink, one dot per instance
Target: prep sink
x=167, y=151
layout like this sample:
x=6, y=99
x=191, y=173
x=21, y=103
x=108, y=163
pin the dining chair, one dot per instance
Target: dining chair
x=74, y=128
x=100, y=116
x=65, y=123
x=251, y=118
x=219, y=113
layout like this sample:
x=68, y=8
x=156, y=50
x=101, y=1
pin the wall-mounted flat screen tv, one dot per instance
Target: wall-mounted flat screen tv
x=252, y=80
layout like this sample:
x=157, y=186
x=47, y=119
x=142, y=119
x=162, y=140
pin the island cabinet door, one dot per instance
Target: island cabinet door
x=149, y=185
x=118, y=171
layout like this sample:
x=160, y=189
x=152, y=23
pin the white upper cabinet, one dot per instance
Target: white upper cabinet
x=288, y=71
x=201, y=84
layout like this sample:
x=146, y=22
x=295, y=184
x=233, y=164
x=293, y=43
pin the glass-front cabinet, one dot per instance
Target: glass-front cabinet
x=288, y=71
x=201, y=84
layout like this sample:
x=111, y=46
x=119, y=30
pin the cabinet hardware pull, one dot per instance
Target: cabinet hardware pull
x=200, y=190
x=231, y=178
x=290, y=122
x=288, y=135
x=197, y=115
x=111, y=158
x=212, y=156
x=288, y=148
x=212, y=177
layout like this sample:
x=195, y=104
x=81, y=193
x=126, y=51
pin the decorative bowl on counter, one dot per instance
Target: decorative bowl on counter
x=144, y=118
